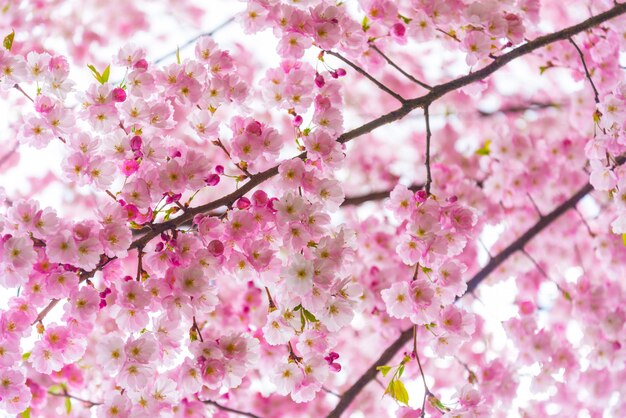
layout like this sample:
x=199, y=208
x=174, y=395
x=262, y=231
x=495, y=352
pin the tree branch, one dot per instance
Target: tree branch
x=582, y=58
x=394, y=65
x=368, y=76
x=234, y=411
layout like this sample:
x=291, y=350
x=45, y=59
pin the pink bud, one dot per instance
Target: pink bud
x=135, y=143
x=270, y=204
x=243, y=203
x=297, y=121
x=127, y=278
x=259, y=198
x=118, y=94
x=334, y=74
x=421, y=196
x=398, y=30
x=335, y=367
x=216, y=248
x=159, y=247
x=212, y=180
x=341, y=72
x=219, y=169
x=452, y=199
x=254, y=128
x=319, y=80
x=142, y=64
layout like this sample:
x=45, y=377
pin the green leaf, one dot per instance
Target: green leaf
x=102, y=78
x=178, y=55
x=26, y=413
x=297, y=308
x=105, y=74
x=26, y=356
x=624, y=239
x=484, y=150
x=8, y=40
x=68, y=406
x=365, y=24
x=399, y=392
x=400, y=370
x=405, y=19
x=55, y=389
x=436, y=403
x=384, y=370
x=309, y=316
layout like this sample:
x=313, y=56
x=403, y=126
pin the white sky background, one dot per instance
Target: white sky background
x=35, y=163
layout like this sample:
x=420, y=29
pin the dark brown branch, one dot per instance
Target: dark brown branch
x=394, y=65
x=368, y=76
x=582, y=58
x=383, y=194
x=234, y=411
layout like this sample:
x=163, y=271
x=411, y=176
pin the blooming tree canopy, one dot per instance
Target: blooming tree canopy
x=400, y=208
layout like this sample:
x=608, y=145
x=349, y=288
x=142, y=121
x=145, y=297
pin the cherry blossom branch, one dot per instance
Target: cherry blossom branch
x=394, y=65
x=582, y=58
x=407, y=107
x=234, y=411
x=67, y=395
x=349, y=395
x=368, y=76
x=195, y=38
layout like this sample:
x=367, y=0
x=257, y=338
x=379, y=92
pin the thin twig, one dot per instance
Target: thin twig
x=582, y=58
x=534, y=205
x=195, y=325
x=234, y=411
x=368, y=76
x=325, y=389
x=429, y=178
x=67, y=395
x=195, y=38
x=404, y=73
x=21, y=90
x=427, y=391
